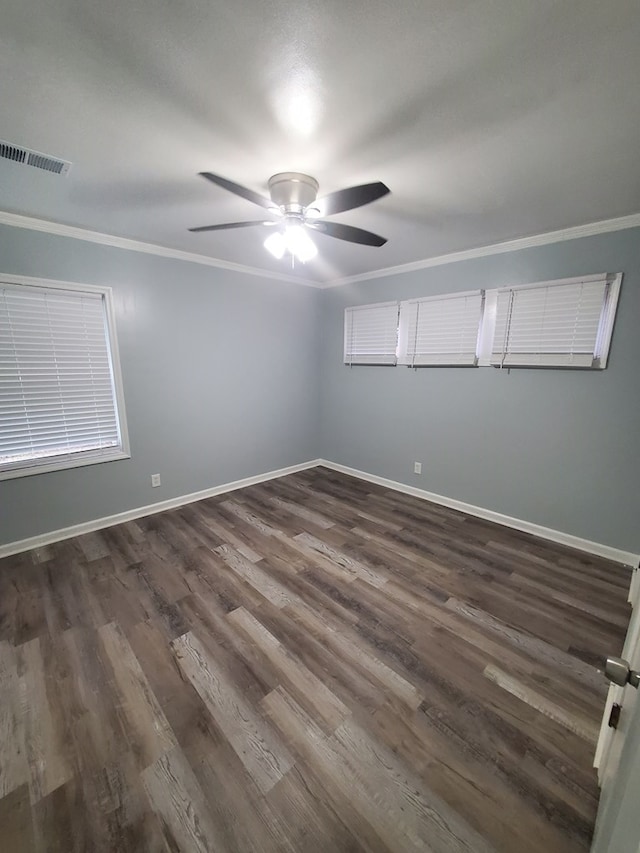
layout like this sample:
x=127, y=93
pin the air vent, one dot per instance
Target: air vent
x=27, y=157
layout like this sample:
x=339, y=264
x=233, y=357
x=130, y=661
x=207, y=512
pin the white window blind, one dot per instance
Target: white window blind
x=58, y=401
x=440, y=330
x=371, y=333
x=554, y=324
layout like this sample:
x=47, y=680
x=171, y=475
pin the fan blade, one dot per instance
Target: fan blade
x=348, y=233
x=226, y=225
x=237, y=189
x=350, y=198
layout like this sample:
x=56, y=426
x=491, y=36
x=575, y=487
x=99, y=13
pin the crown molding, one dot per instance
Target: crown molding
x=590, y=229
x=16, y=220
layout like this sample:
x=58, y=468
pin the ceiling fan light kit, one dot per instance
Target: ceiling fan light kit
x=293, y=201
x=292, y=239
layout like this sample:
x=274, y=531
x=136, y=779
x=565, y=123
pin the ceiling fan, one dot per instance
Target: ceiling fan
x=296, y=210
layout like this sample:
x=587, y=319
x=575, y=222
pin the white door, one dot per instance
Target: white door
x=618, y=754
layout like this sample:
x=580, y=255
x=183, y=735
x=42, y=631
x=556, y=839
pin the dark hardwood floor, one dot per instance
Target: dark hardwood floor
x=310, y=664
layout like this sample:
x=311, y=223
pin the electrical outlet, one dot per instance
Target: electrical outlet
x=155, y=480
x=417, y=467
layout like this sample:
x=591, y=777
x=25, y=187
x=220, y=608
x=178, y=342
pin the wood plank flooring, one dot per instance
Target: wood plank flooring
x=310, y=664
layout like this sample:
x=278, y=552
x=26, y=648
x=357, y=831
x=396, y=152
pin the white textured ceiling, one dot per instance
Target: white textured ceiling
x=488, y=119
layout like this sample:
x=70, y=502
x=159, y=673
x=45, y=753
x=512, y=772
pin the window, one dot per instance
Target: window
x=440, y=330
x=565, y=323
x=61, y=399
x=371, y=334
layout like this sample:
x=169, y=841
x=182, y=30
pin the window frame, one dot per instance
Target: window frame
x=88, y=457
x=604, y=334
x=446, y=359
x=393, y=358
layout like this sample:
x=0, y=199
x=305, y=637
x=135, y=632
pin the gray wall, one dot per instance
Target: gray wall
x=558, y=448
x=220, y=380
x=229, y=375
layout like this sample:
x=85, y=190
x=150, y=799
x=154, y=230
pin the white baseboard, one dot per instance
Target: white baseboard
x=109, y=520
x=597, y=548
x=626, y=557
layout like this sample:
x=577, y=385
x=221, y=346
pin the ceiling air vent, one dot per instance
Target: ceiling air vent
x=27, y=157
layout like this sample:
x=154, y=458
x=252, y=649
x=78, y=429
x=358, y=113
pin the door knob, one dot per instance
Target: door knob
x=619, y=671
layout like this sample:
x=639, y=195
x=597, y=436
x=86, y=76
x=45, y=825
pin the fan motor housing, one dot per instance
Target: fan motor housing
x=293, y=191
